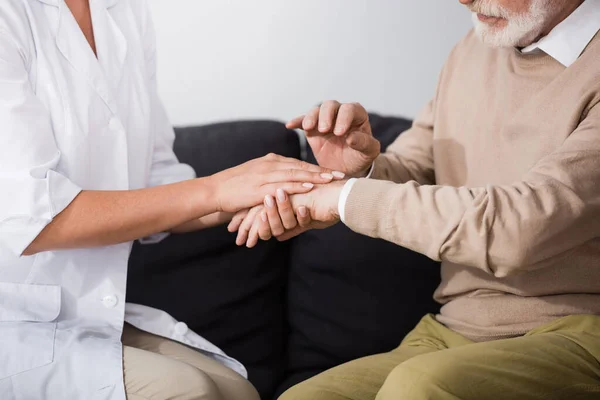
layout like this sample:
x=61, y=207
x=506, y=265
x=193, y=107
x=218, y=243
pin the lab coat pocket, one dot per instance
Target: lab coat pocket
x=27, y=326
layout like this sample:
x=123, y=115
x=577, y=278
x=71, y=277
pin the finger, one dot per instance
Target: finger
x=274, y=221
x=350, y=115
x=245, y=227
x=292, y=163
x=289, y=187
x=253, y=234
x=236, y=221
x=311, y=119
x=304, y=219
x=264, y=227
x=296, y=123
x=285, y=212
x=364, y=143
x=327, y=115
x=297, y=175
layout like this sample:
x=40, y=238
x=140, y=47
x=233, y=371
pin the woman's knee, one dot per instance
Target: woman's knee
x=198, y=385
x=235, y=388
x=182, y=381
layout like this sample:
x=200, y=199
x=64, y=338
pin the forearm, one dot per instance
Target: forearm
x=502, y=230
x=103, y=218
x=208, y=221
x=409, y=158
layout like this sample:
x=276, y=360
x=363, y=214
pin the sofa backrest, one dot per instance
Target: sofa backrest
x=285, y=310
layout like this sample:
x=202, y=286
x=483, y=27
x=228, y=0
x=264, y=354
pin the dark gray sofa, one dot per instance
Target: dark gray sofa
x=286, y=310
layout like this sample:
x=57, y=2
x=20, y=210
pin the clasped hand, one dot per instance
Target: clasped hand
x=341, y=139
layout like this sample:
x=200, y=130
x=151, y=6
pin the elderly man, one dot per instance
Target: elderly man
x=499, y=178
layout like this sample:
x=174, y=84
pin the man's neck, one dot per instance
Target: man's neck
x=568, y=10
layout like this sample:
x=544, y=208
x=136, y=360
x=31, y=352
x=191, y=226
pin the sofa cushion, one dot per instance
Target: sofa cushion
x=230, y=295
x=349, y=295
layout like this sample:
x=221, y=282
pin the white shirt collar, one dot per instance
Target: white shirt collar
x=568, y=40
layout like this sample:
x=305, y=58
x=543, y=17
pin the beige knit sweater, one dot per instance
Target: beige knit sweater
x=499, y=178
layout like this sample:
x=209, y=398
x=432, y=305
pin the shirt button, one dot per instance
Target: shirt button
x=181, y=328
x=110, y=301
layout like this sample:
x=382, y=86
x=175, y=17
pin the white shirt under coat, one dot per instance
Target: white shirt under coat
x=72, y=122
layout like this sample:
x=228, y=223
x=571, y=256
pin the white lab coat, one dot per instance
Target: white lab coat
x=71, y=122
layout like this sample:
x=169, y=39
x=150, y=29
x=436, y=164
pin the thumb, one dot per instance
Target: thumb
x=363, y=143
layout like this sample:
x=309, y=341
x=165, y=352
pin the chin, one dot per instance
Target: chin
x=520, y=33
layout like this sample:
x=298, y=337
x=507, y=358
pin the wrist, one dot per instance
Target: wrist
x=205, y=197
x=334, y=208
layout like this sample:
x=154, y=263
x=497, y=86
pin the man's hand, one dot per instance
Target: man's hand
x=246, y=185
x=276, y=217
x=340, y=137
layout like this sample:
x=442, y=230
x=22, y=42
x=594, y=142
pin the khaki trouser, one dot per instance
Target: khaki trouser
x=158, y=369
x=560, y=360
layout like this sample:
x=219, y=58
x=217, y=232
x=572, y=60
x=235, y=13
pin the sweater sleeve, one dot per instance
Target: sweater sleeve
x=501, y=229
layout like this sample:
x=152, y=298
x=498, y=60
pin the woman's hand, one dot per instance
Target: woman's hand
x=275, y=218
x=285, y=217
x=247, y=185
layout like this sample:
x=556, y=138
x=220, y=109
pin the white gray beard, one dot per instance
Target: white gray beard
x=520, y=31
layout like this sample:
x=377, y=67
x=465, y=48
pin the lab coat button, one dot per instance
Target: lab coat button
x=110, y=301
x=181, y=328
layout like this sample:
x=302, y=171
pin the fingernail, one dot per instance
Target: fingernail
x=308, y=185
x=263, y=216
x=338, y=129
x=270, y=202
x=280, y=195
x=338, y=174
x=302, y=211
x=326, y=176
x=308, y=121
x=323, y=127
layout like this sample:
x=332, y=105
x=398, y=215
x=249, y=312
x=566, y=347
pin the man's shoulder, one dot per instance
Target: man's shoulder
x=592, y=52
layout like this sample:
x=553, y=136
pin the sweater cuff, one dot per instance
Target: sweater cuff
x=367, y=207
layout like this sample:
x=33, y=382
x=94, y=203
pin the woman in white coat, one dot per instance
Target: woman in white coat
x=86, y=167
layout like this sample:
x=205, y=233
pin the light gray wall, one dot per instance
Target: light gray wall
x=227, y=59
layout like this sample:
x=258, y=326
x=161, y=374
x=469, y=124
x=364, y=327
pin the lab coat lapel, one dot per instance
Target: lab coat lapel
x=111, y=44
x=74, y=47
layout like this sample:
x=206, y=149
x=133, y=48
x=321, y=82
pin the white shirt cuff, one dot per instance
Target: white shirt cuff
x=344, y=198
x=370, y=171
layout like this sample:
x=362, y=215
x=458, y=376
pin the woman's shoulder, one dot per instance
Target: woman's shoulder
x=16, y=25
x=140, y=10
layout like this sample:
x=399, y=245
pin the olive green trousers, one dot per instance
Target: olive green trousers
x=560, y=360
